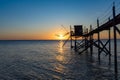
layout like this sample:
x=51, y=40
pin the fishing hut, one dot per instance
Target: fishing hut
x=75, y=33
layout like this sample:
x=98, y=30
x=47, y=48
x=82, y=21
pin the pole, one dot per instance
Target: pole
x=75, y=44
x=109, y=45
x=91, y=41
x=98, y=42
x=71, y=36
x=115, y=42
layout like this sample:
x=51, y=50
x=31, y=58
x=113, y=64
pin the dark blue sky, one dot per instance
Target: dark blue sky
x=31, y=19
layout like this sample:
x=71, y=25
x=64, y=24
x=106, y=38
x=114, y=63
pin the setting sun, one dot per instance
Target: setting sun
x=61, y=36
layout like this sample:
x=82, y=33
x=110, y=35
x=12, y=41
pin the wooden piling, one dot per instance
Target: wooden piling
x=115, y=41
x=98, y=41
x=109, y=34
x=71, y=37
x=91, y=41
x=75, y=43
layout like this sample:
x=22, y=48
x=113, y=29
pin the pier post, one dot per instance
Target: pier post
x=115, y=42
x=98, y=42
x=85, y=42
x=91, y=41
x=75, y=44
x=71, y=37
x=86, y=39
x=109, y=45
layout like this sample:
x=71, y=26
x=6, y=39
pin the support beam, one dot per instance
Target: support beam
x=115, y=42
x=71, y=37
x=117, y=30
x=104, y=47
x=91, y=41
x=109, y=34
x=75, y=43
x=98, y=41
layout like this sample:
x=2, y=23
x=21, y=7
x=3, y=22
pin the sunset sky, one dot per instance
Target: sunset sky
x=42, y=19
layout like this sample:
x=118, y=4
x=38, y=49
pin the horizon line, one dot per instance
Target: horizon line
x=41, y=39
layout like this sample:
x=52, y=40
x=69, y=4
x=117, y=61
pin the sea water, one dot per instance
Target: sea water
x=48, y=60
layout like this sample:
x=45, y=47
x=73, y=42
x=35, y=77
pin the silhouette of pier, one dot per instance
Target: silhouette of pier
x=88, y=40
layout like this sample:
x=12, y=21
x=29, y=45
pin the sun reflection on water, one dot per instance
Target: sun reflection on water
x=60, y=57
x=60, y=68
x=60, y=46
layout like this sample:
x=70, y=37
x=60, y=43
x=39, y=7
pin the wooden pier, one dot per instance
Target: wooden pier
x=88, y=40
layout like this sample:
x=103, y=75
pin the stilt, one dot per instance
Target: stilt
x=71, y=37
x=98, y=42
x=91, y=41
x=75, y=44
x=109, y=45
x=115, y=42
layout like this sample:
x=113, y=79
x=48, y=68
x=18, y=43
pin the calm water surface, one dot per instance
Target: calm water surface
x=47, y=60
